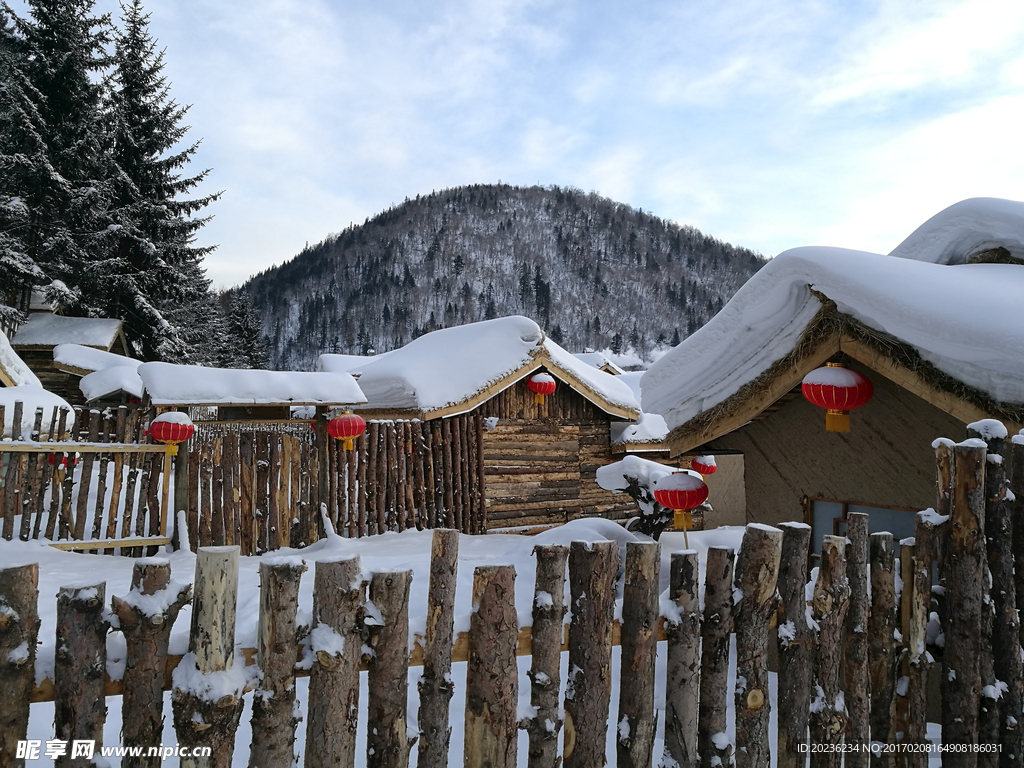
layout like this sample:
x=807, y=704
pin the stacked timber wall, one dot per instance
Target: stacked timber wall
x=541, y=460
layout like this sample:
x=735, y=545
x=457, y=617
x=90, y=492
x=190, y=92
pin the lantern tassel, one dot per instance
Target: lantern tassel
x=837, y=421
x=347, y=445
x=538, y=398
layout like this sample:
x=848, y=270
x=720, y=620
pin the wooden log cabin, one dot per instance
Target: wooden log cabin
x=539, y=460
x=934, y=326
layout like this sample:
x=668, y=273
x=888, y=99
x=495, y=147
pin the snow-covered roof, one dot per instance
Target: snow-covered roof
x=453, y=370
x=80, y=359
x=46, y=330
x=170, y=384
x=107, y=381
x=332, y=363
x=13, y=370
x=599, y=360
x=962, y=318
x=32, y=396
x=647, y=434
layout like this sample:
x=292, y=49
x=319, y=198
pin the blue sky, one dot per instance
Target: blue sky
x=770, y=125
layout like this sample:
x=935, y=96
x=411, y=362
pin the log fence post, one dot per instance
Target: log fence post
x=19, y=632
x=797, y=646
x=387, y=743
x=716, y=637
x=682, y=677
x=855, y=651
x=830, y=605
x=919, y=658
x=636, y=721
x=881, y=642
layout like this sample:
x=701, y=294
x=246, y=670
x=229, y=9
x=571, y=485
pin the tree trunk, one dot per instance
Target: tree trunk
x=387, y=744
x=336, y=641
x=146, y=635
x=545, y=668
x=797, y=648
x=682, y=679
x=80, y=668
x=757, y=571
x=592, y=571
x=492, y=688
x=716, y=635
x=830, y=605
x=273, y=703
x=435, y=685
x=19, y=632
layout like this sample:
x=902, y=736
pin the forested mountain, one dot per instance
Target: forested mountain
x=592, y=272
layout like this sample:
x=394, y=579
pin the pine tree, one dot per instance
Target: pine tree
x=153, y=265
x=245, y=333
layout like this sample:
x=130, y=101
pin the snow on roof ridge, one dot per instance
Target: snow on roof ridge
x=965, y=229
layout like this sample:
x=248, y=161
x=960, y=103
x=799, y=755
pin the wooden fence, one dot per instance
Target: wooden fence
x=85, y=482
x=259, y=488
x=854, y=665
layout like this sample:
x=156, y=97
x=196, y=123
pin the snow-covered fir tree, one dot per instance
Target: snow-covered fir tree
x=246, y=345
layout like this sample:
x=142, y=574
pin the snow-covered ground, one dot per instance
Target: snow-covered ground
x=391, y=551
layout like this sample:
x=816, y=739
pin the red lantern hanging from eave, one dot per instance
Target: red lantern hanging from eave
x=172, y=427
x=541, y=384
x=346, y=427
x=680, y=492
x=704, y=464
x=839, y=390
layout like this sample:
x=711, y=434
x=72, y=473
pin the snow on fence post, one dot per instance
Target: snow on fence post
x=19, y=631
x=919, y=663
x=881, y=642
x=273, y=704
x=639, y=645
x=592, y=572
x=435, y=685
x=1017, y=488
x=716, y=634
x=492, y=675
x=682, y=676
x=545, y=663
x=830, y=604
x=387, y=741
x=966, y=569
x=335, y=642
x=79, y=671
x=146, y=625
x=797, y=647
x=855, y=650
x=208, y=685
x=999, y=533
x=757, y=570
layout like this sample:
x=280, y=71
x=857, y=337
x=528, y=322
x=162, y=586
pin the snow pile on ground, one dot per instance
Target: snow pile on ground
x=32, y=396
x=170, y=384
x=45, y=330
x=962, y=318
x=90, y=359
x=14, y=366
x=449, y=366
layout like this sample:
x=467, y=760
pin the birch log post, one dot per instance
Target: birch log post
x=639, y=645
x=830, y=605
x=757, y=570
x=881, y=644
x=966, y=567
x=796, y=646
x=273, y=704
x=919, y=664
x=716, y=636
x=200, y=720
x=336, y=641
x=682, y=678
x=435, y=685
x=146, y=617
x=19, y=632
x=80, y=666
x=855, y=650
x=387, y=744
x=592, y=572
x=492, y=688
x=999, y=533
x=545, y=663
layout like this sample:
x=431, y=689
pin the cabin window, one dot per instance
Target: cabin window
x=829, y=516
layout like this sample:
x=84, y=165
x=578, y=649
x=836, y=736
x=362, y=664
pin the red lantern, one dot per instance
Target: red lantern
x=839, y=390
x=172, y=427
x=541, y=384
x=704, y=464
x=680, y=492
x=346, y=427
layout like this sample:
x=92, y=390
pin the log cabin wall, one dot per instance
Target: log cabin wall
x=541, y=461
